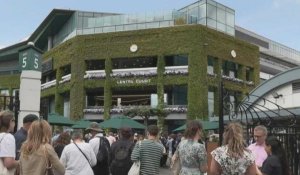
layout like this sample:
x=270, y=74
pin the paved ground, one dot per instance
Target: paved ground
x=165, y=171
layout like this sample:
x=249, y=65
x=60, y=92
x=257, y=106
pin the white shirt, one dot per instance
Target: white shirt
x=75, y=162
x=95, y=142
x=7, y=145
x=111, y=139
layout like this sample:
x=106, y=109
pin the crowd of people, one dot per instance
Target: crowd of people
x=34, y=150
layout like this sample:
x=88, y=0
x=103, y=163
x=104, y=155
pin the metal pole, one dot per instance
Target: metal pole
x=221, y=119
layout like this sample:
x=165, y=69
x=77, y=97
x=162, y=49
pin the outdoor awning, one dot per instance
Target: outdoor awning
x=60, y=120
x=207, y=125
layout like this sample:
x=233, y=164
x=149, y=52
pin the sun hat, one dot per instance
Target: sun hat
x=94, y=126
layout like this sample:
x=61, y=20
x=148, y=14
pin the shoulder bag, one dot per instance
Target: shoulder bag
x=49, y=170
x=175, y=165
x=135, y=168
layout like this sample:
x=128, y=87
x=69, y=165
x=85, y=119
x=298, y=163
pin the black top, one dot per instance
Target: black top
x=272, y=166
x=20, y=137
x=121, y=156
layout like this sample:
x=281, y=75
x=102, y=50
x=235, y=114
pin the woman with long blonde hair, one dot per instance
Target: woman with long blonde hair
x=233, y=157
x=37, y=155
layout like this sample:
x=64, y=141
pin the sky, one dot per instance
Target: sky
x=278, y=20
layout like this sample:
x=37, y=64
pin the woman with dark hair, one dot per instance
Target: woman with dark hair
x=233, y=157
x=192, y=155
x=62, y=140
x=121, y=151
x=276, y=162
x=7, y=141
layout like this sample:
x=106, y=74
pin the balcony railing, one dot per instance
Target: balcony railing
x=94, y=74
x=176, y=70
x=65, y=78
x=134, y=72
x=48, y=84
x=121, y=109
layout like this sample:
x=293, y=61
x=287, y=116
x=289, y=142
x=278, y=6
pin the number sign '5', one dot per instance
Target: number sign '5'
x=30, y=59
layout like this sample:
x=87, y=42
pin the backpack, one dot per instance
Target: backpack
x=121, y=153
x=104, y=154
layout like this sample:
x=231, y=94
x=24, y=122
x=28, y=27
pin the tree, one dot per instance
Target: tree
x=145, y=112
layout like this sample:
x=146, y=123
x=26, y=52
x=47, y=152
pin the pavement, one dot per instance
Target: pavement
x=165, y=171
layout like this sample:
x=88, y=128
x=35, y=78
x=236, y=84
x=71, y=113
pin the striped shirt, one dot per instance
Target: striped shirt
x=149, y=153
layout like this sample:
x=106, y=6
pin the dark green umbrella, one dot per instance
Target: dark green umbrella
x=118, y=122
x=56, y=119
x=207, y=125
x=81, y=124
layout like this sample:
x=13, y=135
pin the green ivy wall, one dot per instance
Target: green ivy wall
x=195, y=41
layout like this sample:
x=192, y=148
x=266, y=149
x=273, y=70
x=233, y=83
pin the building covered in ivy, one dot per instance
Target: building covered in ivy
x=99, y=64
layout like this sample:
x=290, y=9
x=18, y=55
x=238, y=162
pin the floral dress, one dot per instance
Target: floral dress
x=192, y=155
x=231, y=165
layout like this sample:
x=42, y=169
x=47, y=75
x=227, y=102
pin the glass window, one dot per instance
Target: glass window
x=211, y=23
x=230, y=30
x=202, y=11
x=4, y=92
x=221, y=16
x=141, y=26
x=130, y=27
x=152, y=25
x=119, y=28
x=230, y=19
x=221, y=27
x=211, y=12
x=211, y=103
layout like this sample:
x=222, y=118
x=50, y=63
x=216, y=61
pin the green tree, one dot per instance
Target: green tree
x=145, y=112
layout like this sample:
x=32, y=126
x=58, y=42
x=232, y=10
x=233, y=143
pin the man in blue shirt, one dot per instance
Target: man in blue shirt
x=21, y=134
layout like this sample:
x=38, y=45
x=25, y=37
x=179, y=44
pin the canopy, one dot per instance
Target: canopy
x=118, y=122
x=60, y=120
x=207, y=125
x=81, y=124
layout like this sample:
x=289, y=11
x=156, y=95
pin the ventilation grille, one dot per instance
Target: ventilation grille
x=296, y=88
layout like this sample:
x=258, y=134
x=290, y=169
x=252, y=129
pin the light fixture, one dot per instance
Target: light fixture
x=233, y=53
x=276, y=95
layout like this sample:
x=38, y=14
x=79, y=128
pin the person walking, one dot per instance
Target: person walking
x=192, y=155
x=149, y=152
x=276, y=162
x=37, y=155
x=121, y=152
x=233, y=157
x=60, y=143
x=7, y=141
x=258, y=148
x=21, y=134
x=100, y=145
x=78, y=157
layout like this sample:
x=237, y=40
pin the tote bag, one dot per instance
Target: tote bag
x=135, y=168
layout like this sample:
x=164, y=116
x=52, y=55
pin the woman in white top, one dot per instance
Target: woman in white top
x=7, y=141
x=78, y=157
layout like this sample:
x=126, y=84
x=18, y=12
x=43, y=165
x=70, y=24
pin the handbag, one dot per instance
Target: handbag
x=135, y=168
x=175, y=166
x=49, y=170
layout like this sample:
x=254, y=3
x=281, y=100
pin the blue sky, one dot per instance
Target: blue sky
x=278, y=20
